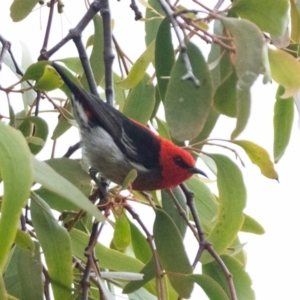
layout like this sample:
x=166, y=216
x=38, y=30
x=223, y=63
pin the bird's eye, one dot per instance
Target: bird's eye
x=180, y=162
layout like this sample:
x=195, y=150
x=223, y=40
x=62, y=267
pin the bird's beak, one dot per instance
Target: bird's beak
x=195, y=170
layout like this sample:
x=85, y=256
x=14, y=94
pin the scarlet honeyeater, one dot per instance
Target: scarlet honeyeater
x=114, y=144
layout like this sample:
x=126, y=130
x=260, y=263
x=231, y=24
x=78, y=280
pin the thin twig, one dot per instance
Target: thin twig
x=48, y=28
x=183, y=49
x=204, y=244
x=89, y=15
x=159, y=279
x=85, y=62
x=72, y=149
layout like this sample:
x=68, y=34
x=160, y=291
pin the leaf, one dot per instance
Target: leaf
x=164, y=56
x=138, y=69
x=140, y=245
x=283, y=121
x=252, y=226
x=269, y=16
x=64, y=123
x=241, y=279
x=260, y=157
x=170, y=208
x=149, y=272
x=186, y=105
x=40, y=131
x=249, y=44
x=163, y=129
x=20, y=9
x=225, y=98
x=295, y=23
x=72, y=171
x=54, y=182
x=73, y=63
x=56, y=244
x=35, y=71
x=171, y=253
x=30, y=273
x=285, y=70
x=154, y=16
x=3, y=293
x=49, y=81
x=97, y=55
x=140, y=102
x=211, y=288
x=205, y=203
x=121, y=237
x=110, y=259
x=23, y=241
x=16, y=171
x=232, y=201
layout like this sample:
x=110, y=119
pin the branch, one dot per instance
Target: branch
x=183, y=49
x=204, y=244
x=89, y=15
x=159, y=279
x=108, y=52
x=134, y=7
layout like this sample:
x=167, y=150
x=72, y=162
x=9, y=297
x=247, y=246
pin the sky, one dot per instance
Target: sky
x=273, y=258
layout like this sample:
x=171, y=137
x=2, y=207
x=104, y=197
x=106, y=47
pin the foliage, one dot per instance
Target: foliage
x=251, y=41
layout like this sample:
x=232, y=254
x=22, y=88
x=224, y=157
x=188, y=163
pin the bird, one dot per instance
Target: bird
x=114, y=144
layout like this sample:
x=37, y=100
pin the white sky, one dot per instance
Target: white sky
x=273, y=258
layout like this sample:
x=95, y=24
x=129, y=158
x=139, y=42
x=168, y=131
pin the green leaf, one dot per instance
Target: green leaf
x=40, y=131
x=20, y=9
x=72, y=171
x=122, y=237
x=211, y=288
x=138, y=69
x=73, y=63
x=140, y=245
x=56, y=244
x=232, y=201
x=30, y=273
x=225, y=98
x=170, y=208
x=149, y=272
x=109, y=258
x=171, y=253
x=187, y=106
x=54, y=182
x=163, y=129
x=154, y=17
x=140, y=102
x=283, y=121
x=16, y=171
x=295, y=23
x=285, y=70
x=49, y=81
x=3, y=293
x=164, y=56
x=249, y=44
x=205, y=203
x=252, y=226
x=260, y=157
x=35, y=71
x=64, y=123
x=96, y=59
x=241, y=279
x=269, y=16
x=210, y=123
x=24, y=241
